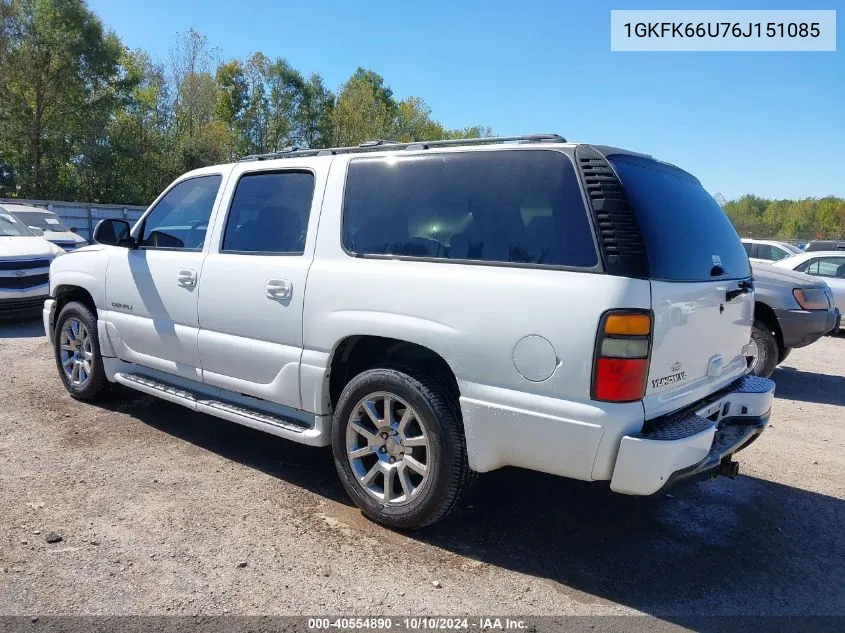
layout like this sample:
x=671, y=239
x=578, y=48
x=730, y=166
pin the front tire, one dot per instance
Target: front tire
x=77, y=350
x=764, y=358
x=399, y=447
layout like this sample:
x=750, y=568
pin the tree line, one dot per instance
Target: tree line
x=806, y=219
x=84, y=118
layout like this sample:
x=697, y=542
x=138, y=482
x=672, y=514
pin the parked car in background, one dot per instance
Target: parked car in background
x=45, y=223
x=24, y=268
x=791, y=310
x=829, y=265
x=768, y=251
x=825, y=245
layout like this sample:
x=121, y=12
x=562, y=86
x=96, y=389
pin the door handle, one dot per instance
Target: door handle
x=279, y=289
x=186, y=278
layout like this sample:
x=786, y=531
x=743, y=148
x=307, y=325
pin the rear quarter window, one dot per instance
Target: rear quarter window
x=513, y=206
x=687, y=235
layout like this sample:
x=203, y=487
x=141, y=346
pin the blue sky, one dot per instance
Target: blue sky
x=766, y=123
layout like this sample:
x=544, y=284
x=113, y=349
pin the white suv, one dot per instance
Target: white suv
x=433, y=310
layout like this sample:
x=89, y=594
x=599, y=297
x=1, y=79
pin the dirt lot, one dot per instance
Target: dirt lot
x=165, y=511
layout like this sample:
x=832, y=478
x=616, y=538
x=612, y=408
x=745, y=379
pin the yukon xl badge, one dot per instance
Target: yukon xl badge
x=671, y=379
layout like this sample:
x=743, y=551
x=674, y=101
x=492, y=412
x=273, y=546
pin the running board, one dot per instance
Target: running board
x=262, y=417
x=287, y=427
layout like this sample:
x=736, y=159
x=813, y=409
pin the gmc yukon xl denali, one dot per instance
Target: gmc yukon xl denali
x=431, y=311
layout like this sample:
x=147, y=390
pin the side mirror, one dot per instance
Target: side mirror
x=72, y=229
x=114, y=233
x=36, y=231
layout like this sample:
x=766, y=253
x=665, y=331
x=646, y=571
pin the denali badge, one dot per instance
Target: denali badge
x=669, y=380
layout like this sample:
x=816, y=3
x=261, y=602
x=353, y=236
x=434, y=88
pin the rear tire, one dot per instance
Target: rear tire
x=77, y=350
x=763, y=363
x=783, y=353
x=368, y=446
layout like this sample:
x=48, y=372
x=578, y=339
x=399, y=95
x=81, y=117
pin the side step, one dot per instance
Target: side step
x=262, y=417
x=248, y=416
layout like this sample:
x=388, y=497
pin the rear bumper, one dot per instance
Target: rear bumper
x=693, y=442
x=802, y=327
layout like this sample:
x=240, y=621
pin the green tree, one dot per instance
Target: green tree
x=361, y=112
x=58, y=83
x=314, y=118
x=747, y=215
x=139, y=165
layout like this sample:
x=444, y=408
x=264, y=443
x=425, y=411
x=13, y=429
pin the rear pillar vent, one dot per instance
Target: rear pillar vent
x=620, y=239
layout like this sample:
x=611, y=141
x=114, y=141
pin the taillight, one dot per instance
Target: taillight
x=622, y=353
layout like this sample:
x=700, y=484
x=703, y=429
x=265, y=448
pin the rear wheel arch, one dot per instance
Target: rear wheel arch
x=358, y=353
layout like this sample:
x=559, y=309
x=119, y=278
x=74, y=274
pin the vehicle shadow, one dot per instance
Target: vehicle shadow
x=23, y=327
x=794, y=384
x=722, y=547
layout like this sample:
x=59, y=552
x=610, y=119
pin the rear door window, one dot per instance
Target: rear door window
x=687, y=235
x=519, y=206
x=269, y=213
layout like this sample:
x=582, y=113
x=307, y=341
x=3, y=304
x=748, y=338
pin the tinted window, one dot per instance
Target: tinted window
x=688, y=237
x=749, y=247
x=269, y=213
x=827, y=267
x=499, y=206
x=180, y=219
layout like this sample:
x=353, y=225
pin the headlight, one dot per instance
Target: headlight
x=811, y=298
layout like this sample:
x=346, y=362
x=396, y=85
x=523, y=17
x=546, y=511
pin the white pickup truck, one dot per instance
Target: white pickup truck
x=431, y=311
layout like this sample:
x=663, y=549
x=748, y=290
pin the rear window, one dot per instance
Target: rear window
x=687, y=235
x=495, y=206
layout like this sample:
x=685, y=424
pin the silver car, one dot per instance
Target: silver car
x=791, y=309
x=828, y=265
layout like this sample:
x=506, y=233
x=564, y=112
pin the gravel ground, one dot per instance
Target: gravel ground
x=164, y=511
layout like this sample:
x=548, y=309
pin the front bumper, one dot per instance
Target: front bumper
x=802, y=327
x=24, y=301
x=694, y=441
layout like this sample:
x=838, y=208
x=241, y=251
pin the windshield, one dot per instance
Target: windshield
x=10, y=227
x=687, y=235
x=791, y=248
x=41, y=220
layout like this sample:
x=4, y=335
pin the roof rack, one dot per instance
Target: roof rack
x=382, y=144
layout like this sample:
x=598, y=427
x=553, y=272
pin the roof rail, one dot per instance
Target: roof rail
x=382, y=144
